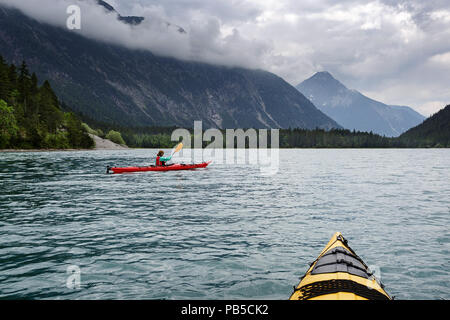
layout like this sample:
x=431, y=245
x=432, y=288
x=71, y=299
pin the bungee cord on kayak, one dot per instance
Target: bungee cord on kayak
x=339, y=274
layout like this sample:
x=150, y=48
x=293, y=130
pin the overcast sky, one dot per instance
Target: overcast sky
x=397, y=52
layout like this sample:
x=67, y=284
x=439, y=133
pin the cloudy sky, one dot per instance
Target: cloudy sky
x=397, y=52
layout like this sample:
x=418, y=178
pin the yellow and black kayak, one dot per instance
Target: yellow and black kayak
x=339, y=274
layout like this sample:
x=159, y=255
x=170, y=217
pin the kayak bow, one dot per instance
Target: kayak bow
x=339, y=274
x=172, y=167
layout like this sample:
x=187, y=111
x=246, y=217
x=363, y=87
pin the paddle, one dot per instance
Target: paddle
x=176, y=149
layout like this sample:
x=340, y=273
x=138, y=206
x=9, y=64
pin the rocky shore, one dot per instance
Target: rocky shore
x=100, y=144
x=104, y=144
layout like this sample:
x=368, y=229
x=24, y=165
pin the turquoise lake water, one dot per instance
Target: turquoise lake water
x=225, y=232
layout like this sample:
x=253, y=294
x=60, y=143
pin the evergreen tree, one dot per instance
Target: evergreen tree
x=12, y=75
x=4, y=80
x=23, y=86
x=49, y=112
x=30, y=116
x=8, y=125
x=34, y=84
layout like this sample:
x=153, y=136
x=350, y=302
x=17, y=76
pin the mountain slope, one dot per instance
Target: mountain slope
x=136, y=88
x=433, y=131
x=353, y=110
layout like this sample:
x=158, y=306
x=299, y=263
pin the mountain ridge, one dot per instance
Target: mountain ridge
x=114, y=84
x=434, y=131
x=355, y=111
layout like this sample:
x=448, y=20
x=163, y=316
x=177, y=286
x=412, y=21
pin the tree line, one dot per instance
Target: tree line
x=434, y=131
x=156, y=137
x=31, y=116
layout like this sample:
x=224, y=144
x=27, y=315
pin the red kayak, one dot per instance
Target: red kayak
x=172, y=167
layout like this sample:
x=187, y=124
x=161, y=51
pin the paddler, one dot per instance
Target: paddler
x=160, y=160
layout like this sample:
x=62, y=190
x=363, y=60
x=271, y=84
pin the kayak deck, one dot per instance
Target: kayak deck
x=172, y=167
x=339, y=274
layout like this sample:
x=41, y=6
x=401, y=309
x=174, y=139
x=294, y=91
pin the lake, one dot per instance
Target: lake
x=224, y=232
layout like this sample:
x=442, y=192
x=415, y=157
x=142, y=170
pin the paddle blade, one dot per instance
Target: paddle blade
x=177, y=148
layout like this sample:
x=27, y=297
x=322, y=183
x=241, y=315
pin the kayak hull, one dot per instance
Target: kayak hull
x=173, y=167
x=339, y=274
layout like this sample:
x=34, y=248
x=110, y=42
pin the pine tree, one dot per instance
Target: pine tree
x=23, y=85
x=8, y=125
x=4, y=80
x=12, y=74
x=49, y=112
x=31, y=117
x=34, y=84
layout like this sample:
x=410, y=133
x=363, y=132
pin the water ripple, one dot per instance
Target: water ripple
x=225, y=232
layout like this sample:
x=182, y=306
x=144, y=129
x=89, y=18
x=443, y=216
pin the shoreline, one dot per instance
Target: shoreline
x=43, y=150
x=128, y=148
x=100, y=144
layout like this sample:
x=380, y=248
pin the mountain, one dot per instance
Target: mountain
x=434, y=131
x=353, y=110
x=114, y=84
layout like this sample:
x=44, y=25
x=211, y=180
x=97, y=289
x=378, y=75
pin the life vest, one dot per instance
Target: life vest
x=160, y=163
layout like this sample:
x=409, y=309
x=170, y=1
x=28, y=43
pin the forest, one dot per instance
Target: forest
x=160, y=137
x=31, y=117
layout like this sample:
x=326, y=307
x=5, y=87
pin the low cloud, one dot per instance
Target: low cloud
x=205, y=40
x=394, y=51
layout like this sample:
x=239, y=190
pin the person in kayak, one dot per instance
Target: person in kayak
x=160, y=160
